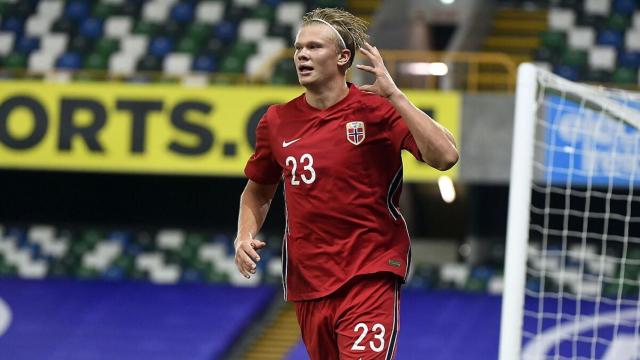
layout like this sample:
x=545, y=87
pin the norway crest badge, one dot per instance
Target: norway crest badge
x=355, y=132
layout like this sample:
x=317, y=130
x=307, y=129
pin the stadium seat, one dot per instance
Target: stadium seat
x=27, y=44
x=610, y=37
x=236, y=14
x=147, y=28
x=172, y=29
x=182, y=12
x=161, y=46
x=38, y=25
x=149, y=62
x=555, y=40
x=41, y=62
x=599, y=76
x=215, y=47
x=91, y=28
x=618, y=22
x=252, y=29
x=102, y=10
x=210, y=12
x=77, y=10
x=54, y=43
x=625, y=76
x=155, y=11
x=225, y=31
x=12, y=24
x=632, y=40
x=122, y=64
x=69, y=61
x=188, y=45
x=245, y=3
x=51, y=9
x=107, y=46
x=96, y=61
x=205, y=63
x=636, y=20
x=597, y=7
x=6, y=42
x=629, y=59
x=117, y=26
x=623, y=6
x=602, y=58
x=199, y=32
x=264, y=12
x=290, y=13
x=233, y=64
x=134, y=44
x=177, y=64
x=575, y=58
x=561, y=19
x=581, y=38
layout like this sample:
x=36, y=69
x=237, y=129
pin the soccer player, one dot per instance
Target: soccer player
x=337, y=150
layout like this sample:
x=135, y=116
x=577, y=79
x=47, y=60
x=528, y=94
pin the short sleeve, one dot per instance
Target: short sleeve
x=399, y=133
x=262, y=166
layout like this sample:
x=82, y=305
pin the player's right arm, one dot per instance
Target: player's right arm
x=254, y=206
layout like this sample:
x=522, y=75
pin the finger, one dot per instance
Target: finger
x=368, y=54
x=366, y=68
x=257, y=244
x=249, y=250
x=367, y=88
x=246, y=261
x=241, y=268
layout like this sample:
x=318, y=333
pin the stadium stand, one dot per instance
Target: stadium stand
x=167, y=38
x=593, y=41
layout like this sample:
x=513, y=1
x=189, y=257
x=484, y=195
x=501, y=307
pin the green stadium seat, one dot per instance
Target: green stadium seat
x=554, y=40
x=599, y=76
x=576, y=58
x=244, y=49
x=15, y=61
x=172, y=29
x=618, y=22
x=107, y=46
x=5, y=8
x=625, y=76
x=188, y=45
x=233, y=64
x=199, y=32
x=103, y=10
x=145, y=28
x=264, y=12
x=96, y=61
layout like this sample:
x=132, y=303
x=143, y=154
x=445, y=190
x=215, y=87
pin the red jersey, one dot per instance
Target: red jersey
x=342, y=174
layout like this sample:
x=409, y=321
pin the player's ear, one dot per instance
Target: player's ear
x=344, y=56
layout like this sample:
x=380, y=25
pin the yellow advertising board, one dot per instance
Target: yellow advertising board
x=159, y=128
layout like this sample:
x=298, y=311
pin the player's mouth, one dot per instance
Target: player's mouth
x=305, y=69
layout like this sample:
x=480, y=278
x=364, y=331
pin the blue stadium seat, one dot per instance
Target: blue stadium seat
x=12, y=24
x=226, y=31
x=629, y=59
x=161, y=46
x=91, y=28
x=272, y=3
x=625, y=7
x=77, y=10
x=182, y=12
x=610, y=37
x=567, y=72
x=206, y=63
x=27, y=44
x=69, y=61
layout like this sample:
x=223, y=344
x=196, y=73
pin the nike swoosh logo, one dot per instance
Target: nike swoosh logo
x=287, y=143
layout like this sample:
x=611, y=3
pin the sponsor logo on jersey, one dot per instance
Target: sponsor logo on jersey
x=394, y=262
x=287, y=143
x=355, y=132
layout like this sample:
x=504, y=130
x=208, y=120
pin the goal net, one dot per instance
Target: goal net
x=573, y=240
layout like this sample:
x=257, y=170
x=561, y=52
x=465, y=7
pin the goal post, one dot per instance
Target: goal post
x=572, y=264
x=518, y=213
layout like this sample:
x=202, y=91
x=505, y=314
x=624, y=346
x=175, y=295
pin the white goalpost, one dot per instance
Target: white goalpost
x=572, y=265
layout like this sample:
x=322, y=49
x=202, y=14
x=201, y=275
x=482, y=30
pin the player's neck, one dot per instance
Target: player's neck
x=327, y=95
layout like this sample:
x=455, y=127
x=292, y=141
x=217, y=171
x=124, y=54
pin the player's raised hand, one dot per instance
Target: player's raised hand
x=384, y=85
x=246, y=255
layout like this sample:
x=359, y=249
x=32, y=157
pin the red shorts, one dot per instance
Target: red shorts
x=360, y=321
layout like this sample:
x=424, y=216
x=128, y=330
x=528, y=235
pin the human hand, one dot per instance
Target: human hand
x=383, y=85
x=246, y=255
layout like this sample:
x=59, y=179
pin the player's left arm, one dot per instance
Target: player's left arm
x=436, y=144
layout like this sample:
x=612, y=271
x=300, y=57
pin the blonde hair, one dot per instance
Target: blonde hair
x=351, y=28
